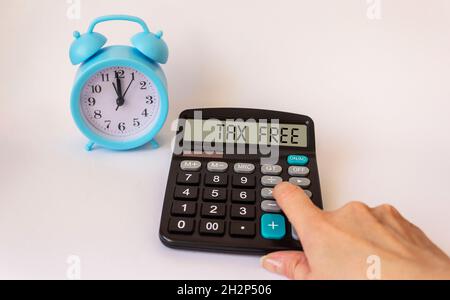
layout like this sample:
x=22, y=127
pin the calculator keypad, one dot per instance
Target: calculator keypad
x=244, y=181
x=214, y=210
x=215, y=194
x=218, y=198
x=212, y=179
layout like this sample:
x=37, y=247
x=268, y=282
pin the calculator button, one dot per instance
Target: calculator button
x=212, y=227
x=271, y=180
x=243, y=168
x=214, y=210
x=186, y=193
x=244, y=181
x=270, y=206
x=247, y=212
x=190, y=165
x=185, y=226
x=271, y=169
x=243, y=196
x=298, y=160
x=273, y=226
x=215, y=194
x=188, y=209
x=298, y=171
x=188, y=178
x=217, y=166
x=294, y=234
x=308, y=193
x=216, y=179
x=301, y=182
x=242, y=229
x=267, y=193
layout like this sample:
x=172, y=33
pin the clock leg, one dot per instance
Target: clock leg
x=154, y=144
x=90, y=146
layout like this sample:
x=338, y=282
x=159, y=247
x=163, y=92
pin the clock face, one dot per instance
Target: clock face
x=120, y=103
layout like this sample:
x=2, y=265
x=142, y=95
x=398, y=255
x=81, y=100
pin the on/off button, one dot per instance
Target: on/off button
x=298, y=160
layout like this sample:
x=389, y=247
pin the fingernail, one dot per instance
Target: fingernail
x=271, y=264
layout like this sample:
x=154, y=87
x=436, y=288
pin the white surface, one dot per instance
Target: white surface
x=378, y=91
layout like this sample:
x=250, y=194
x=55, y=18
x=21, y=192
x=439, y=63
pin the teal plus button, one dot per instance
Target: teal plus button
x=298, y=160
x=273, y=226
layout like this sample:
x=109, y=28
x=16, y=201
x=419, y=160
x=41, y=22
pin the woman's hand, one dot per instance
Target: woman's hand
x=354, y=242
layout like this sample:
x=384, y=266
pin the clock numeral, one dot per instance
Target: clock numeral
x=120, y=74
x=136, y=122
x=96, y=89
x=121, y=126
x=91, y=101
x=143, y=85
x=105, y=77
x=108, y=124
x=97, y=114
x=149, y=100
x=145, y=113
x=132, y=76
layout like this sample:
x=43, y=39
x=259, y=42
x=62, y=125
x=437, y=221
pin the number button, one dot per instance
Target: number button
x=184, y=226
x=247, y=212
x=215, y=194
x=188, y=178
x=243, y=196
x=216, y=179
x=186, y=193
x=187, y=209
x=244, y=181
x=214, y=210
x=243, y=229
x=211, y=227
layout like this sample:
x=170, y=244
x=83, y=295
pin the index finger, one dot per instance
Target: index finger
x=297, y=206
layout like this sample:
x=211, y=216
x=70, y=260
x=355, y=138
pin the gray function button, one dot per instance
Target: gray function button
x=298, y=171
x=243, y=168
x=294, y=234
x=270, y=206
x=308, y=193
x=271, y=169
x=271, y=180
x=217, y=166
x=301, y=182
x=190, y=165
x=266, y=193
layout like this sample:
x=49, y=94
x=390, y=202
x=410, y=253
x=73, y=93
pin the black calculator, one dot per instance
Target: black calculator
x=225, y=164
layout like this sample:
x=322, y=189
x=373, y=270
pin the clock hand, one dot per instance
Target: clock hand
x=126, y=91
x=118, y=87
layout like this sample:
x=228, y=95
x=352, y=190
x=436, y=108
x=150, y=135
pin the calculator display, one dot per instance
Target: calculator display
x=245, y=132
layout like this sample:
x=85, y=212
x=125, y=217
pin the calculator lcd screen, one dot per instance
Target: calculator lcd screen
x=246, y=132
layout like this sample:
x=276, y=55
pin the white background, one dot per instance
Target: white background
x=378, y=91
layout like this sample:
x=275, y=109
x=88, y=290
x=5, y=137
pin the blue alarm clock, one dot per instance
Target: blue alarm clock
x=119, y=100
